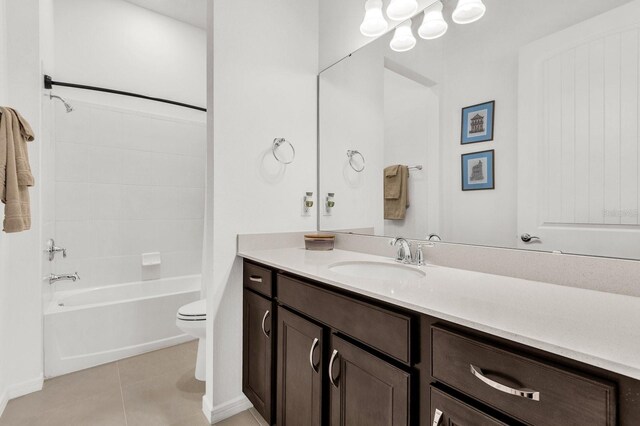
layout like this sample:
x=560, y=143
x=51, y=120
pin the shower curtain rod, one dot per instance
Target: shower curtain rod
x=49, y=83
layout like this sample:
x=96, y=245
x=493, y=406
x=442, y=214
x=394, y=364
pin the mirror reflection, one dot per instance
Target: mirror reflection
x=519, y=129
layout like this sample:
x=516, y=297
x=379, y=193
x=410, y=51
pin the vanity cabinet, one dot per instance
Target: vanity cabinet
x=299, y=370
x=366, y=390
x=258, y=339
x=344, y=359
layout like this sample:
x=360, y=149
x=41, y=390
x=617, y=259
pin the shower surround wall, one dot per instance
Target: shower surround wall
x=127, y=183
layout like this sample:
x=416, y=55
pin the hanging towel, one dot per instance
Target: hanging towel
x=396, y=192
x=15, y=172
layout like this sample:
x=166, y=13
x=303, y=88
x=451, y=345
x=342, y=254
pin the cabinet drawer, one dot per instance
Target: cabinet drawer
x=258, y=279
x=531, y=391
x=447, y=410
x=384, y=330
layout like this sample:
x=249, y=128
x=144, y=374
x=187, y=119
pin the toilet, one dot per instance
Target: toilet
x=192, y=319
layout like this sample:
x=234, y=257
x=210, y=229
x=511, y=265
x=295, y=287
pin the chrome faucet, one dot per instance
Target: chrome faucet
x=404, y=250
x=73, y=277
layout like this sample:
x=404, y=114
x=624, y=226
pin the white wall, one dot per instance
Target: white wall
x=20, y=254
x=118, y=45
x=264, y=74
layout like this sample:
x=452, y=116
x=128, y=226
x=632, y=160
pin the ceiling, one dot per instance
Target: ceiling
x=193, y=12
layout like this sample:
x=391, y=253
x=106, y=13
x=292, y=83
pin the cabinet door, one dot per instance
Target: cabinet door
x=299, y=371
x=257, y=352
x=365, y=390
x=448, y=411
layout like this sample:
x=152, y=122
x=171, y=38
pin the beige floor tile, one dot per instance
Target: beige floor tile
x=174, y=359
x=64, y=391
x=258, y=417
x=195, y=420
x=163, y=400
x=103, y=409
x=243, y=419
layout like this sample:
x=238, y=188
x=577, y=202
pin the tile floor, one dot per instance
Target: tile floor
x=157, y=388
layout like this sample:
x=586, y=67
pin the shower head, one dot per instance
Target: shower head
x=68, y=107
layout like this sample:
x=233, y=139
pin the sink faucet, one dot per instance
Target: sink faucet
x=73, y=277
x=404, y=250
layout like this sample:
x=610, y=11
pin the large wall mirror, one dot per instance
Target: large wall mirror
x=519, y=130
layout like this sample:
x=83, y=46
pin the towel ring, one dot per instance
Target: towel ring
x=277, y=142
x=353, y=153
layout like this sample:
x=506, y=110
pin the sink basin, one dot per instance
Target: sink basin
x=377, y=271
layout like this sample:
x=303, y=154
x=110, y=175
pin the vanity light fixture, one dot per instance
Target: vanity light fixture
x=433, y=25
x=403, y=39
x=468, y=11
x=399, y=10
x=373, y=24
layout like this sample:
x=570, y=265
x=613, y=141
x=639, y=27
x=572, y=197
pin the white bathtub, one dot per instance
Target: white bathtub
x=89, y=327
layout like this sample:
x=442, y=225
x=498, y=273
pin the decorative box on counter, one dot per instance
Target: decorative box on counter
x=319, y=242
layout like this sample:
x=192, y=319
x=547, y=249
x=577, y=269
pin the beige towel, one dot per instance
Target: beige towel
x=15, y=172
x=396, y=192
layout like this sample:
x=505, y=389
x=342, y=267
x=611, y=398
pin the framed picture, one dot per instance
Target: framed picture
x=478, y=171
x=477, y=123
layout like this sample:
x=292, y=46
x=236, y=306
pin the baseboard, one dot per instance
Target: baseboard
x=225, y=410
x=19, y=389
x=4, y=398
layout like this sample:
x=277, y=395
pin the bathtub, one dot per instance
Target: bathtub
x=89, y=327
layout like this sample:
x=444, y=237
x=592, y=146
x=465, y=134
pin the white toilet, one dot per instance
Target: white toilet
x=192, y=319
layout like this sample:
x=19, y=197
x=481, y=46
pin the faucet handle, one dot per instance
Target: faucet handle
x=419, y=255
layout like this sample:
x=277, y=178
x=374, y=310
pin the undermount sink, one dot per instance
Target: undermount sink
x=377, y=271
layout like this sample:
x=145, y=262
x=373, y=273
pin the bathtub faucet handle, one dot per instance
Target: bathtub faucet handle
x=72, y=277
x=52, y=249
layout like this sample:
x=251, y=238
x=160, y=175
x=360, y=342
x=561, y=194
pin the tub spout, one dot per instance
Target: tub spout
x=73, y=277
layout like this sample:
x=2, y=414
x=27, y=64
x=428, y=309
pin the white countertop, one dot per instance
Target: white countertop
x=600, y=329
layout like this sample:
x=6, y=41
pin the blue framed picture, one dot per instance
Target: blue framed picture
x=478, y=170
x=477, y=123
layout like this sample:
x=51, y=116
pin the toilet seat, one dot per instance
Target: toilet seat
x=196, y=311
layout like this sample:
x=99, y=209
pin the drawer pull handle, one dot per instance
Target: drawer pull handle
x=522, y=393
x=333, y=358
x=437, y=417
x=313, y=348
x=264, y=318
x=255, y=279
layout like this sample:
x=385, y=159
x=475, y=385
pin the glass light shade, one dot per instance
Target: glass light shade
x=433, y=25
x=399, y=10
x=373, y=23
x=403, y=38
x=468, y=11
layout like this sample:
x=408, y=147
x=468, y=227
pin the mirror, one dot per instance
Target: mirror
x=519, y=130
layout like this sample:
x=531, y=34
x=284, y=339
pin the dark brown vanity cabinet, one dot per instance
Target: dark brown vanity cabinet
x=257, y=365
x=330, y=357
x=299, y=370
x=365, y=390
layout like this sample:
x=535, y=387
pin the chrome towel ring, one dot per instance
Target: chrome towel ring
x=275, y=148
x=358, y=164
